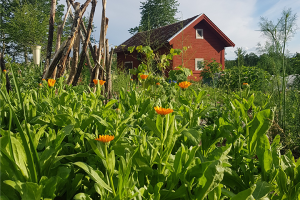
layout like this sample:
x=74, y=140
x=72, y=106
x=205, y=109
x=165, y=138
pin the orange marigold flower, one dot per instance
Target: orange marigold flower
x=51, y=82
x=131, y=79
x=4, y=70
x=105, y=138
x=144, y=76
x=245, y=84
x=184, y=84
x=41, y=84
x=157, y=83
x=101, y=82
x=163, y=111
x=43, y=79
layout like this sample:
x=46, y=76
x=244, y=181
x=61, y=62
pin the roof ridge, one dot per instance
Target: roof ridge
x=167, y=25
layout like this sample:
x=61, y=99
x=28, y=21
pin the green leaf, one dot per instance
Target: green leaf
x=245, y=195
x=213, y=175
x=111, y=162
x=82, y=196
x=262, y=189
x=152, y=126
x=258, y=127
x=28, y=190
x=50, y=186
x=93, y=174
x=110, y=103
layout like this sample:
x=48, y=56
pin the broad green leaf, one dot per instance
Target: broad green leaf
x=82, y=196
x=50, y=186
x=245, y=195
x=28, y=190
x=264, y=155
x=93, y=174
x=152, y=126
x=262, y=190
x=213, y=175
x=258, y=127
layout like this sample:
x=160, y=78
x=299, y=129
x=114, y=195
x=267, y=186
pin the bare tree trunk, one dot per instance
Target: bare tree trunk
x=62, y=54
x=50, y=35
x=104, y=24
x=108, y=71
x=25, y=56
x=84, y=49
x=74, y=59
x=2, y=64
x=84, y=33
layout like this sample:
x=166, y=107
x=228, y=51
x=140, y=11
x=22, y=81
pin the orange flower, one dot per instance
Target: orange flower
x=184, y=84
x=157, y=83
x=245, y=84
x=4, y=70
x=105, y=138
x=41, y=84
x=101, y=82
x=51, y=82
x=163, y=111
x=144, y=76
x=131, y=79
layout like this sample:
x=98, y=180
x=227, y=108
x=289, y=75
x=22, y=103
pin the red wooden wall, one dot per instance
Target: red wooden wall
x=211, y=46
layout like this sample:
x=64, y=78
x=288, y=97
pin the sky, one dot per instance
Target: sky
x=237, y=19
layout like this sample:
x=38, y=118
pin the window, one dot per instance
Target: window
x=128, y=65
x=199, y=33
x=199, y=64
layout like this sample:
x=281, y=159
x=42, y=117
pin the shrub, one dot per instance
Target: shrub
x=180, y=75
x=257, y=78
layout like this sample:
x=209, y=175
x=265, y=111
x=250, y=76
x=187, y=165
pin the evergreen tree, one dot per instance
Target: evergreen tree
x=156, y=13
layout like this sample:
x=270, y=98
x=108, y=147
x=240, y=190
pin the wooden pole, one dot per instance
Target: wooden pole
x=63, y=53
x=50, y=35
x=84, y=49
x=108, y=71
x=75, y=58
x=104, y=24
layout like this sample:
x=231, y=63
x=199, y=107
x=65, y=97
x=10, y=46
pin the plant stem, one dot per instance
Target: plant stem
x=110, y=173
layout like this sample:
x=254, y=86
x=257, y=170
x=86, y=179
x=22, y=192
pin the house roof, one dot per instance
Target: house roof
x=166, y=34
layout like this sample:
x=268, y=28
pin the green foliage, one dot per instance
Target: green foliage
x=211, y=67
x=257, y=78
x=48, y=147
x=180, y=74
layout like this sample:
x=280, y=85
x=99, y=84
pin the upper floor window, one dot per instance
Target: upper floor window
x=199, y=33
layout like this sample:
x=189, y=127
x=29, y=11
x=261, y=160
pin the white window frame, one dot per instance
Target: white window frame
x=129, y=62
x=196, y=60
x=197, y=35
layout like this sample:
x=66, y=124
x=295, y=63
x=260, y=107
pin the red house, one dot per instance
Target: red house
x=203, y=39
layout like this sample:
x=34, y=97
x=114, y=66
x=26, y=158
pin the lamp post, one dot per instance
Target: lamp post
x=36, y=54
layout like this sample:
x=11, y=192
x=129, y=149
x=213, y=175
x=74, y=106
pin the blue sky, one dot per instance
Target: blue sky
x=238, y=19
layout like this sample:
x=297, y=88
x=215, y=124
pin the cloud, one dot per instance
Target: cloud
x=237, y=19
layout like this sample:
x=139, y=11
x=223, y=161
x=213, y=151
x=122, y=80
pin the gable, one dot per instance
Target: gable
x=202, y=18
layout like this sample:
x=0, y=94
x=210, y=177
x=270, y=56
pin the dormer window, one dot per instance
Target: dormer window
x=199, y=33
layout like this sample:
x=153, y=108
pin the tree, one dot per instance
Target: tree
x=29, y=18
x=251, y=59
x=278, y=34
x=156, y=13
